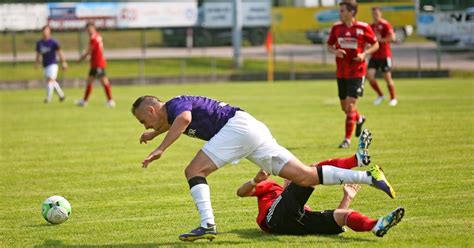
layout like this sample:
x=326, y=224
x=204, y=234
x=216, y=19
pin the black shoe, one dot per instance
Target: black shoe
x=362, y=154
x=61, y=99
x=208, y=233
x=345, y=144
x=359, y=126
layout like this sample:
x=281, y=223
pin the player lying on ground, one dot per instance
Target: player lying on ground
x=232, y=134
x=284, y=210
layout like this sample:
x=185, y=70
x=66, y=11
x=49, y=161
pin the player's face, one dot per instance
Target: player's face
x=344, y=14
x=148, y=117
x=46, y=33
x=376, y=15
x=90, y=30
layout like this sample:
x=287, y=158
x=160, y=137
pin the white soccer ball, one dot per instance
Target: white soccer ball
x=56, y=209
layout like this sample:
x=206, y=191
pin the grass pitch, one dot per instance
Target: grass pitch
x=92, y=157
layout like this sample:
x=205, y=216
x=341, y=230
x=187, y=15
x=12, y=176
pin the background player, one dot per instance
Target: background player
x=284, y=210
x=232, y=134
x=348, y=40
x=48, y=48
x=97, y=68
x=381, y=60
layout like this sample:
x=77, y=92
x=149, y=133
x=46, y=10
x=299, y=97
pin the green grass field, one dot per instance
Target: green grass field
x=162, y=67
x=92, y=157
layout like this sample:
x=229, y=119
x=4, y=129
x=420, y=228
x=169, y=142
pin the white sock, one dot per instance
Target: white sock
x=202, y=198
x=333, y=175
x=49, y=91
x=58, y=89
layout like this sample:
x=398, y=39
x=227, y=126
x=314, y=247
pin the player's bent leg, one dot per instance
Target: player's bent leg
x=386, y=222
x=201, y=165
x=295, y=171
x=196, y=172
x=340, y=216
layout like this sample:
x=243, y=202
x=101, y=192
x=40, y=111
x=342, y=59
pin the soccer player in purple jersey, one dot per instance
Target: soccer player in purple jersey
x=231, y=134
x=48, y=47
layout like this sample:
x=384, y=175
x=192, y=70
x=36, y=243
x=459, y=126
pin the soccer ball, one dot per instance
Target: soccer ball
x=56, y=209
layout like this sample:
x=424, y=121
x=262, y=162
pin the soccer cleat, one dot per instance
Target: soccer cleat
x=379, y=100
x=362, y=154
x=393, y=102
x=61, y=99
x=81, y=103
x=46, y=100
x=388, y=221
x=359, y=124
x=208, y=233
x=345, y=144
x=379, y=181
x=111, y=103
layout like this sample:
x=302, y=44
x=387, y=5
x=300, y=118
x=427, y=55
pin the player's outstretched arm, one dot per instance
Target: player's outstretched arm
x=180, y=123
x=350, y=191
x=248, y=188
x=149, y=135
x=83, y=56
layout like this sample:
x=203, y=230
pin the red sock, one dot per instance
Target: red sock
x=350, y=123
x=345, y=163
x=391, y=88
x=108, y=91
x=375, y=86
x=88, y=92
x=359, y=222
x=357, y=116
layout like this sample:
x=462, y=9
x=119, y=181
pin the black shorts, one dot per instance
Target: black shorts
x=353, y=87
x=97, y=72
x=288, y=216
x=383, y=65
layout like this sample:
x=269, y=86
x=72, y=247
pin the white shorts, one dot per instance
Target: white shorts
x=51, y=71
x=245, y=137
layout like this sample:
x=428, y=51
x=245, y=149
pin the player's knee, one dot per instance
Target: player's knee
x=306, y=180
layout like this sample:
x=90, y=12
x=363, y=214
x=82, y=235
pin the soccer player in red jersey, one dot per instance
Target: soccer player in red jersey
x=284, y=210
x=381, y=60
x=97, y=69
x=348, y=40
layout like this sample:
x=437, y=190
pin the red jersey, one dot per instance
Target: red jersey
x=267, y=192
x=352, y=40
x=97, y=51
x=384, y=30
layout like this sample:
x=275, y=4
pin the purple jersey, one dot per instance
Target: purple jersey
x=208, y=115
x=47, y=48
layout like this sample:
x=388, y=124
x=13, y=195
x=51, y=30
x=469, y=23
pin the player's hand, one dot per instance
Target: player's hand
x=350, y=190
x=360, y=57
x=261, y=176
x=156, y=154
x=147, y=136
x=36, y=65
x=64, y=66
x=340, y=53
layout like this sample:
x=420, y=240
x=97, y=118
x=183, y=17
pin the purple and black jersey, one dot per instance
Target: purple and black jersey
x=47, y=48
x=208, y=115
